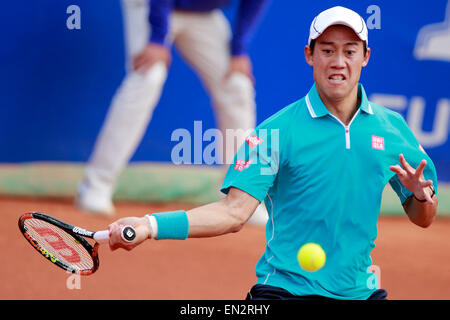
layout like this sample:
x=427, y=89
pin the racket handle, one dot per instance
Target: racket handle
x=102, y=236
x=128, y=235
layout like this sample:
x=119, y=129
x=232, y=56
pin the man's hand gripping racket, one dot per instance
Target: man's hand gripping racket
x=64, y=244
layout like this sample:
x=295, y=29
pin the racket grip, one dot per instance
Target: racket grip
x=128, y=235
x=102, y=236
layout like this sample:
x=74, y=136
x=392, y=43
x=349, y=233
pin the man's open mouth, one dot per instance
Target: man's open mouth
x=337, y=77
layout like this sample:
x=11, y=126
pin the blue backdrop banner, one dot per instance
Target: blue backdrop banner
x=58, y=81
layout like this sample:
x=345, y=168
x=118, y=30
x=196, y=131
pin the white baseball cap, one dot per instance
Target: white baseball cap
x=338, y=15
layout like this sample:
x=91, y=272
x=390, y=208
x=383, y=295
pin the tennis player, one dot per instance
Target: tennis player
x=321, y=165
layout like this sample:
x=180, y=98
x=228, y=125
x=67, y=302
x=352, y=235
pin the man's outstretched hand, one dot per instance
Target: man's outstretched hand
x=413, y=179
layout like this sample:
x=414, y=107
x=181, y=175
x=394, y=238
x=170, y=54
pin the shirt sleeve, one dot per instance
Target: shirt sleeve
x=399, y=189
x=414, y=154
x=256, y=164
x=249, y=15
x=159, y=19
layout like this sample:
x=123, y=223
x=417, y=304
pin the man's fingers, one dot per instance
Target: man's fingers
x=405, y=164
x=116, y=241
x=428, y=198
x=427, y=183
x=398, y=170
x=112, y=236
x=142, y=64
x=137, y=62
x=419, y=170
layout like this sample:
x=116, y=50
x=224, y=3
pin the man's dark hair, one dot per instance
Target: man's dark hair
x=313, y=44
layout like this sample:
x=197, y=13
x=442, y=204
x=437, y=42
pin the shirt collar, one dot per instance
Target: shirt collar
x=317, y=109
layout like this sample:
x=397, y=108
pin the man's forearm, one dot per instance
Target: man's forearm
x=221, y=217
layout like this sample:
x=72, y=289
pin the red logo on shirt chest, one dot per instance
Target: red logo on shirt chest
x=242, y=164
x=377, y=143
x=253, y=140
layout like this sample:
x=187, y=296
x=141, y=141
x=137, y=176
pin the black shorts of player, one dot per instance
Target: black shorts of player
x=266, y=292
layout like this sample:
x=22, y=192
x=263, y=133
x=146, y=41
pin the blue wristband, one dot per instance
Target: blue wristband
x=172, y=225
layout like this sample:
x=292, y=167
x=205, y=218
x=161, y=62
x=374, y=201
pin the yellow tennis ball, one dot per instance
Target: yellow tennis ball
x=311, y=257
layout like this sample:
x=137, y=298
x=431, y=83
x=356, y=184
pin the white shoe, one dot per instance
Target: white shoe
x=94, y=201
x=260, y=216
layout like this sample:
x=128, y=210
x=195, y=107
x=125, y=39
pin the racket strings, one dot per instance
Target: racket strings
x=59, y=244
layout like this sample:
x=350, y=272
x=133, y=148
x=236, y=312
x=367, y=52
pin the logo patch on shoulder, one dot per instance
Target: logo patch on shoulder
x=253, y=140
x=242, y=164
x=377, y=143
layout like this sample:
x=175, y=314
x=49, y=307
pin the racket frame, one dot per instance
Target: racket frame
x=76, y=232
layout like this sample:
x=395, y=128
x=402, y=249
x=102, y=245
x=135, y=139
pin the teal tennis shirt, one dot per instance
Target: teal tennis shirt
x=322, y=182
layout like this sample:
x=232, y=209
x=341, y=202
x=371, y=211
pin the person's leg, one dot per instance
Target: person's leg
x=127, y=119
x=204, y=42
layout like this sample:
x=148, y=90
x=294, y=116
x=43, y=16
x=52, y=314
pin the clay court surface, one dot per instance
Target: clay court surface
x=414, y=262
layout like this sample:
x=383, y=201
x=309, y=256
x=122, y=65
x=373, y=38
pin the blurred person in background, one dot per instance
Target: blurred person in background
x=202, y=35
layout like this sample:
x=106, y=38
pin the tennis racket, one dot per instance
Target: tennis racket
x=64, y=244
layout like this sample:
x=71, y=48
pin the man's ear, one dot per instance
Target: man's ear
x=366, y=58
x=308, y=55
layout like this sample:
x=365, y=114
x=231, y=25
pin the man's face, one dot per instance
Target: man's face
x=337, y=61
